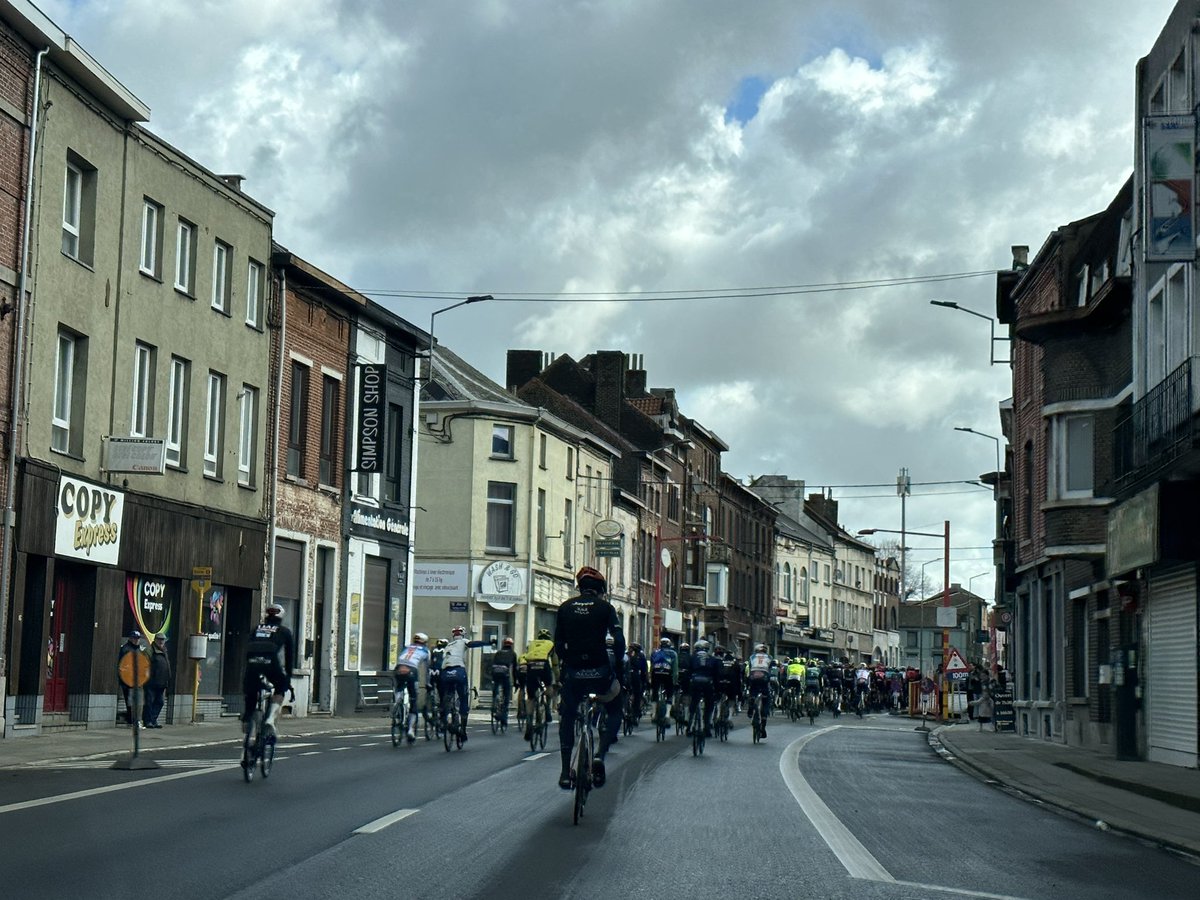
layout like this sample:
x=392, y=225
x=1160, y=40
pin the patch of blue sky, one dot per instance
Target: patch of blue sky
x=744, y=105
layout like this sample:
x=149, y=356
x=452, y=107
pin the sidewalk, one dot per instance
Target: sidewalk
x=1156, y=802
x=95, y=743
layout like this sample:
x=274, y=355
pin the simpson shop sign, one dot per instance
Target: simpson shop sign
x=372, y=382
x=88, y=521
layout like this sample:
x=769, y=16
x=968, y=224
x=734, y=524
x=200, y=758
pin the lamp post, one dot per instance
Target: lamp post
x=950, y=304
x=478, y=298
x=923, y=565
x=971, y=580
x=945, y=535
x=990, y=437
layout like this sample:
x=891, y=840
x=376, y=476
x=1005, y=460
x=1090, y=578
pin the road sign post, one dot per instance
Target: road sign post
x=134, y=671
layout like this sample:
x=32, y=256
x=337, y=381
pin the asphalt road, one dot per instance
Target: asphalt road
x=847, y=809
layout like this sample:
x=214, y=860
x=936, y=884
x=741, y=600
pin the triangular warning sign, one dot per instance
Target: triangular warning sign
x=955, y=662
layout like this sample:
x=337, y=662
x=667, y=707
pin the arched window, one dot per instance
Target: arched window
x=778, y=585
x=787, y=581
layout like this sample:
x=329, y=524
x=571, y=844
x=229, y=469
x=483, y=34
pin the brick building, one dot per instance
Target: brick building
x=1068, y=311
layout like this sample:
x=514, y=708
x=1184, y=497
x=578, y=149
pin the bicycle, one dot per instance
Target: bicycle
x=757, y=717
x=860, y=703
x=697, y=727
x=430, y=714
x=812, y=706
x=722, y=724
x=537, y=724
x=522, y=708
x=792, y=703
x=499, y=709
x=679, y=713
x=629, y=714
x=661, y=720
x=400, y=718
x=258, y=746
x=452, y=730
x=583, y=755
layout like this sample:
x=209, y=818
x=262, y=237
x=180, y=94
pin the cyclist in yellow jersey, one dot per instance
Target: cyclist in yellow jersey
x=542, y=665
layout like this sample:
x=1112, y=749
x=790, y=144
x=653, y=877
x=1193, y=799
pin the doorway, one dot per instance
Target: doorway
x=58, y=646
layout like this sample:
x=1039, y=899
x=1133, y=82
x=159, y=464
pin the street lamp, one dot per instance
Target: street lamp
x=478, y=298
x=950, y=304
x=945, y=535
x=990, y=437
x=971, y=580
x=923, y=565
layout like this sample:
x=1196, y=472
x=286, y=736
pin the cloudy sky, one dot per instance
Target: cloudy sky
x=572, y=153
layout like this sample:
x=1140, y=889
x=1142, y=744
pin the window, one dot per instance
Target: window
x=151, y=249
x=502, y=441
x=214, y=425
x=70, y=371
x=501, y=517
x=142, y=422
x=541, y=523
x=394, y=454
x=1167, y=344
x=331, y=397
x=1079, y=648
x=542, y=451
x=567, y=537
x=1073, y=449
x=1027, y=500
x=587, y=487
x=1177, y=88
x=297, y=420
x=220, y=276
x=177, y=410
x=79, y=209
x=570, y=463
x=254, y=292
x=247, y=433
x=185, y=254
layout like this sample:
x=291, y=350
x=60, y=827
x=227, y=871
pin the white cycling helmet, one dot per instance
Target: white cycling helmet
x=420, y=638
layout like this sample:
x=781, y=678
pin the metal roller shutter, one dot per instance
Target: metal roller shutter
x=1171, y=668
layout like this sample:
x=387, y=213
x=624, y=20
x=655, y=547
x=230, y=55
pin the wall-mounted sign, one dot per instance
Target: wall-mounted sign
x=502, y=582
x=151, y=599
x=459, y=606
x=433, y=579
x=88, y=521
x=145, y=456
x=607, y=547
x=1169, y=166
x=372, y=385
x=822, y=634
x=378, y=520
x=607, y=528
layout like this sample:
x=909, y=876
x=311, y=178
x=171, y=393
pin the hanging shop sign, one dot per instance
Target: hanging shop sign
x=372, y=382
x=88, y=521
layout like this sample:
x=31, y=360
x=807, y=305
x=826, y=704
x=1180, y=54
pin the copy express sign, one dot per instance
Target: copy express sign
x=88, y=521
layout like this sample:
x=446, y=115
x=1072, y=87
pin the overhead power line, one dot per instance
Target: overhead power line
x=647, y=296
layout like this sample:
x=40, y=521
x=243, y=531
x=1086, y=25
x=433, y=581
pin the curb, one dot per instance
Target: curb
x=993, y=779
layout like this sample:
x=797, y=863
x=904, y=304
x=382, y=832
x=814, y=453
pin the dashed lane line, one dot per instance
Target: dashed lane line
x=384, y=821
x=108, y=789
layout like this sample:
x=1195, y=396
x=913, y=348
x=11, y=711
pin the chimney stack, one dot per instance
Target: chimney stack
x=1020, y=254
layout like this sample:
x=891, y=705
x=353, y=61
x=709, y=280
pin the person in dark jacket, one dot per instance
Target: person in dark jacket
x=156, y=684
x=504, y=667
x=133, y=644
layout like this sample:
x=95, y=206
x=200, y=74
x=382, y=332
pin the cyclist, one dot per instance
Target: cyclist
x=454, y=672
x=406, y=675
x=862, y=681
x=729, y=677
x=504, y=665
x=270, y=652
x=584, y=622
x=664, y=669
x=636, y=668
x=542, y=666
x=704, y=676
x=685, y=672
x=795, y=673
x=813, y=682
x=758, y=682
x=833, y=678
x=520, y=677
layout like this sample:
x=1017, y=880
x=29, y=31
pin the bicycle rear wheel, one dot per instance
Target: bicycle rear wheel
x=398, y=721
x=582, y=773
x=447, y=730
x=250, y=744
x=266, y=756
x=495, y=715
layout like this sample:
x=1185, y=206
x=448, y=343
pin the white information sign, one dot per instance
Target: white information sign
x=87, y=521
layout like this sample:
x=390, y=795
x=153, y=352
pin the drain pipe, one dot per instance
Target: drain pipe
x=10, y=516
x=273, y=469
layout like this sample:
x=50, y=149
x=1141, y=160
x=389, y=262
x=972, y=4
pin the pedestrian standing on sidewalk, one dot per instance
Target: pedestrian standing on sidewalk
x=133, y=644
x=974, y=687
x=156, y=684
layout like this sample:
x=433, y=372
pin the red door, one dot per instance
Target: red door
x=56, y=648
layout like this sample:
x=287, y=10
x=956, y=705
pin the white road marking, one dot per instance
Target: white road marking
x=535, y=756
x=311, y=753
x=108, y=789
x=961, y=891
x=857, y=859
x=336, y=749
x=853, y=855
x=384, y=821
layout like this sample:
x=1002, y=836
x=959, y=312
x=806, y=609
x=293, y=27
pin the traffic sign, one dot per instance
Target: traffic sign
x=134, y=668
x=955, y=662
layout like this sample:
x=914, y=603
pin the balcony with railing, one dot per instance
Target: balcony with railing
x=1159, y=428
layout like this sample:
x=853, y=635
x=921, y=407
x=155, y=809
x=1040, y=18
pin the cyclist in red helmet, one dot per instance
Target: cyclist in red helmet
x=580, y=641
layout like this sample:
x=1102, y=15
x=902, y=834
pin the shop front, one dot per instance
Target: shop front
x=94, y=563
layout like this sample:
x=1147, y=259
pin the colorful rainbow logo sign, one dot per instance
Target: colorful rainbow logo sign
x=150, y=604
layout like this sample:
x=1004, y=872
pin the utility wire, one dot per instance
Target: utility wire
x=734, y=293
